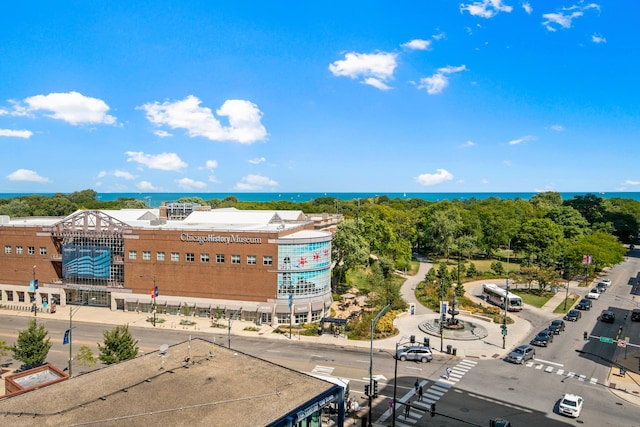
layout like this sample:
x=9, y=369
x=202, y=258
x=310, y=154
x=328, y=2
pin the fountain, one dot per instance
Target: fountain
x=453, y=328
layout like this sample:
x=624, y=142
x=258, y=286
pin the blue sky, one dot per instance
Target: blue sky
x=233, y=96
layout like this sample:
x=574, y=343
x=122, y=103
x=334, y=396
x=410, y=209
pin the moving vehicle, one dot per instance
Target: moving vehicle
x=415, y=352
x=608, y=316
x=593, y=294
x=573, y=316
x=521, y=354
x=496, y=295
x=556, y=326
x=543, y=338
x=635, y=315
x=584, y=304
x=571, y=405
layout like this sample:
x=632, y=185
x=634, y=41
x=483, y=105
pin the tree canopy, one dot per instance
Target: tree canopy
x=33, y=345
x=119, y=345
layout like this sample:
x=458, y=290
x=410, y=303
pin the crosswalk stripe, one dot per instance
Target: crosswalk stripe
x=560, y=371
x=549, y=369
x=435, y=387
x=539, y=367
x=468, y=362
x=582, y=377
x=594, y=381
x=435, y=392
x=323, y=369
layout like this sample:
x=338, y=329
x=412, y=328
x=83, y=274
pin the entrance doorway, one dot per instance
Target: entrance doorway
x=92, y=298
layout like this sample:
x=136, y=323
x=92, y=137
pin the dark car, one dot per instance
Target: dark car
x=556, y=326
x=635, y=315
x=601, y=287
x=608, y=316
x=543, y=338
x=584, y=304
x=573, y=316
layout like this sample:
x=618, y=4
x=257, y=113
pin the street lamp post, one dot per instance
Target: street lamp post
x=506, y=301
x=35, y=293
x=443, y=316
x=154, y=296
x=373, y=324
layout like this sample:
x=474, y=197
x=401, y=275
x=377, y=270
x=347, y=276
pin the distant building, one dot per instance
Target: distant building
x=257, y=265
x=193, y=383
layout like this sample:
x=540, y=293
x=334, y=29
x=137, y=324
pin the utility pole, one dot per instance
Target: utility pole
x=35, y=293
x=373, y=324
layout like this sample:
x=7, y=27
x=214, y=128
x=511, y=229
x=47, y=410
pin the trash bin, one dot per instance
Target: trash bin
x=454, y=351
x=449, y=346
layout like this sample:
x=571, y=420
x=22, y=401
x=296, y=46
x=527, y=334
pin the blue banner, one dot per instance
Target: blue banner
x=65, y=340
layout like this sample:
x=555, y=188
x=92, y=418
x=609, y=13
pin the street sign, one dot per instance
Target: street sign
x=606, y=339
x=622, y=343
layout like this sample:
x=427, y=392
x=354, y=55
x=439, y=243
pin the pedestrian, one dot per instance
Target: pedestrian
x=448, y=371
x=390, y=403
x=417, y=384
x=407, y=409
x=420, y=392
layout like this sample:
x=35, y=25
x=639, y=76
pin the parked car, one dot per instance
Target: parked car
x=635, y=315
x=571, y=405
x=573, y=316
x=601, y=287
x=608, y=316
x=593, y=294
x=607, y=282
x=543, y=338
x=556, y=326
x=521, y=354
x=415, y=352
x=584, y=304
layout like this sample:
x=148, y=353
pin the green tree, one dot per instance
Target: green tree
x=570, y=221
x=33, y=345
x=540, y=238
x=442, y=230
x=119, y=345
x=4, y=349
x=472, y=271
x=349, y=249
x=497, y=268
x=85, y=357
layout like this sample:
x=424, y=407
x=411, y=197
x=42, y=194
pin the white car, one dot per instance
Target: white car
x=571, y=405
x=607, y=282
x=593, y=294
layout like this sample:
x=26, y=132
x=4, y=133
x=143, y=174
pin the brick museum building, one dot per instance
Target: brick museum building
x=256, y=265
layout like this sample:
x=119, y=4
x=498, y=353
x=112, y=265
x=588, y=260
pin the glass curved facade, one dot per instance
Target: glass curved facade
x=304, y=269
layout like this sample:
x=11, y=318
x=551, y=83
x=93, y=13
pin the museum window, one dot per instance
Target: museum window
x=31, y=250
x=301, y=318
x=146, y=255
x=133, y=255
x=175, y=256
x=189, y=257
x=43, y=250
x=159, y=256
x=220, y=258
x=204, y=257
x=7, y=249
x=251, y=259
x=267, y=260
x=316, y=316
x=235, y=259
x=19, y=250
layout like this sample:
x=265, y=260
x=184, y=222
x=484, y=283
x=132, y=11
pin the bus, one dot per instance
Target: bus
x=496, y=295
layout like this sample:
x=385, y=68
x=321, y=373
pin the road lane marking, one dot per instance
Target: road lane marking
x=594, y=381
x=549, y=369
x=560, y=371
x=323, y=369
x=539, y=367
x=582, y=377
x=548, y=362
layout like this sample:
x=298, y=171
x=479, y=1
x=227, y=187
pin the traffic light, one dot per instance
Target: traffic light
x=432, y=409
x=585, y=336
x=366, y=389
x=375, y=388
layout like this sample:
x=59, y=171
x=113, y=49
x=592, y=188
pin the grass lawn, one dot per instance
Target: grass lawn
x=533, y=299
x=570, y=301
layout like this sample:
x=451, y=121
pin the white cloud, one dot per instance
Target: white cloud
x=162, y=133
x=211, y=164
x=26, y=175
x=243, y=116
x=102, y=174
x=564, y=18
x=375, y=69
x=255, y=182
x=521, y=140
x=72, y=107
x=189, y=184
x=630, y=182
x=484, y=181
x=145, y=186
x=417, y=44
x=527, y=8
x=439, y=36
x=440, y=176
x=468, y=144
x=123, y=174
x=597, y=38
x=437, y=82
x=162, y=161
x=507, y=163
x=212, y=178
x=485, y=8
x=257, y=160
x=26, y=134
x=557, y=128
